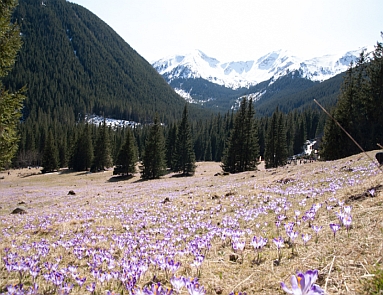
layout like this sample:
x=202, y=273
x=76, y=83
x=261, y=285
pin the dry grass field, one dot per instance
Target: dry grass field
x=119, y=236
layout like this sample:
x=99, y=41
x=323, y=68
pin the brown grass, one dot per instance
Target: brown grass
x=108, y=207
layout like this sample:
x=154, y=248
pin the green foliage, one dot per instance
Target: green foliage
x=242, y=151
x=82, y=153
x=170, y=145
x=75, y=64
x=154, y=160
x=127, y=156
x=375, y=285
x=184, y=156
x=275, y=141
x=358, y=109
x=292, y=92
x=10, y=103
x=102, y=153
x=50, y=161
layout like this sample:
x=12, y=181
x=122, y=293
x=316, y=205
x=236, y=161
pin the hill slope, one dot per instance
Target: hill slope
x=73, y=64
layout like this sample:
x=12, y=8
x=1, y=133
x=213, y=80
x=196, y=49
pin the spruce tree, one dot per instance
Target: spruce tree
x=102, y=153
x=153, y=160
x=50, y=160
x=10, y=103
x=127, y=156
x=171, y=145
x=374, y=101
x=275, y=142
x=184, y=156
x=358, y=109
x=242, y=149
x=82, y=154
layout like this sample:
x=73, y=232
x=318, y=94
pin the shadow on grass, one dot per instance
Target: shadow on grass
x=70, y=171
x=120, y=178
x=182, y=175
x=25, y=175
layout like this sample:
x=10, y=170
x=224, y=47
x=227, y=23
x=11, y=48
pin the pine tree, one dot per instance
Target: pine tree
x=153, y=159
x=102, y=153
x=10, y=103
x=50, y=161
x=127, y=156
x=184, y=156
x=242, y=150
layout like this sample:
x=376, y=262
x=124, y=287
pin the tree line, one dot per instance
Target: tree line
x=237, y=139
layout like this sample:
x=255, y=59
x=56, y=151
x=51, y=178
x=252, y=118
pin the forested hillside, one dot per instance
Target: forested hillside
x=74, y=64
x=291, y=93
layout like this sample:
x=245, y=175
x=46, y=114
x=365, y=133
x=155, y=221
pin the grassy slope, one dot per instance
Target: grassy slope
x=201, y=205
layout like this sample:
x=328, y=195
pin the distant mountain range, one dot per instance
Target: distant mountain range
x=238, y=74
x=206, y=81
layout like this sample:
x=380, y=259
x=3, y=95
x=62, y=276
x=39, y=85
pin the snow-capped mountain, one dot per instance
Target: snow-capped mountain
x=235, y=75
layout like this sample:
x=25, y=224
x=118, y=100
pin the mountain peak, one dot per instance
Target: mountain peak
x=236, y=74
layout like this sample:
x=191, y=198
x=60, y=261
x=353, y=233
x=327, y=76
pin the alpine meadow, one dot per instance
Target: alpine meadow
x=117, y=178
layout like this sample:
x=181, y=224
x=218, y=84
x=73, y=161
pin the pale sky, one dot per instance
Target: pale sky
x=241, y=30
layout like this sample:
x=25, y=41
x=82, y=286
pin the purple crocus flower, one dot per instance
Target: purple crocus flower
x=347, y=219
x=195, y=289
x=303, y=284
x=80, y=280
x=178, y=283
x=91, y=287
x=258, y=244
x=279, y=243
x=334, y=227
x=306, y=238
x=238, y=245
x=317, y=229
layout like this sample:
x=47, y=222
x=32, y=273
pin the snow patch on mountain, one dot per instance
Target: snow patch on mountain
x=197, y=64
x=110, y=122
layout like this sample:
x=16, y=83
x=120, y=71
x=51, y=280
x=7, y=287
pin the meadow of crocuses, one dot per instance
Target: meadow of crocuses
x=313, y=228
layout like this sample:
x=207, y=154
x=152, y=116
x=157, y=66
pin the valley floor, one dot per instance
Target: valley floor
x=132, y=229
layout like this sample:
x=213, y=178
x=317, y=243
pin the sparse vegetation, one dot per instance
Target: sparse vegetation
x=120, y=237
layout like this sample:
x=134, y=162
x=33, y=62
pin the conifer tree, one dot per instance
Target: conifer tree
x=102, y=152
x=374, y=99
x=184, y=156
x=154, y=160
x=358, y=109
x=242, y=150
x=171, y=145
x=82, y=154
x=10, y=103
x=127, y=156
x=50, y=161
x=275, y=142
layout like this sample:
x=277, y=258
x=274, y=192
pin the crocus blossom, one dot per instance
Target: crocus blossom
x=303, y=284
